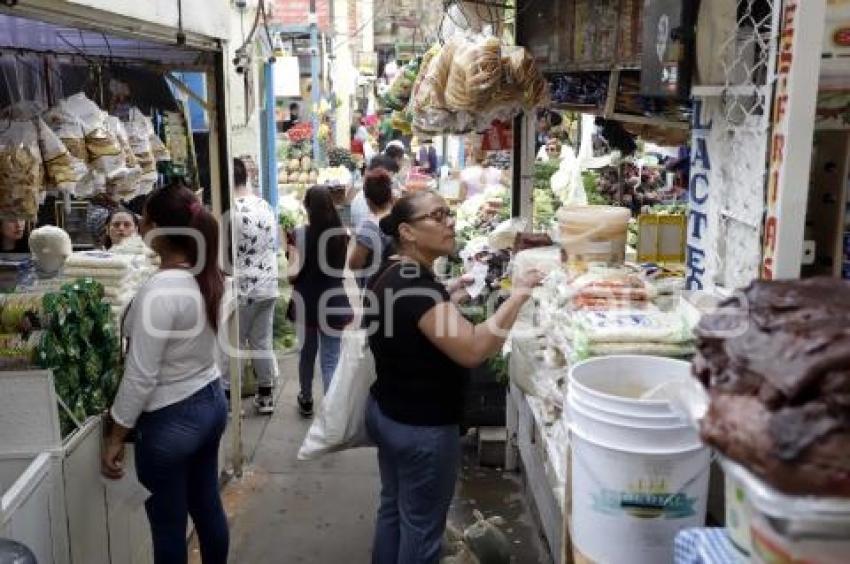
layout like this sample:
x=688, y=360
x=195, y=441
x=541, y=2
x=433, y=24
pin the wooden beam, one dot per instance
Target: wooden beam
x=209, y=107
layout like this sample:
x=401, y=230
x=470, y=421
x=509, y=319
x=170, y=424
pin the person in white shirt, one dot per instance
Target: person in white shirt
x=171, y=391
x=257, y=282
x=476, y=179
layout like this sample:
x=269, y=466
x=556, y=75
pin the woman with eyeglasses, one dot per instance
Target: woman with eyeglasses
x=423, y=349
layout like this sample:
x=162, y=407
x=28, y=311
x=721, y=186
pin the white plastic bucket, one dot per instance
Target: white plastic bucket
x=642, y=436
x=639, y=472
x=787, y=528
x=663, y=421
x=614, y=383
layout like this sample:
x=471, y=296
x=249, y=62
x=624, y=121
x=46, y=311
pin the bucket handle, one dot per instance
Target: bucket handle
x=687, y=483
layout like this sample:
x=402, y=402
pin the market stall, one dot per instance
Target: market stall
x=94, y=117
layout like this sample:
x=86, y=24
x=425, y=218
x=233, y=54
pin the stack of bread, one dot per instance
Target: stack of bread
x=469, y=82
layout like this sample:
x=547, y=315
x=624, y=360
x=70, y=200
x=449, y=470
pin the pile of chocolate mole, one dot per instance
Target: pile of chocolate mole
x=775, y=359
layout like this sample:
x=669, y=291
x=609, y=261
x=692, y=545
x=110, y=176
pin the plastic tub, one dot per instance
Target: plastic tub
x=614, y=384
x=663, y=421
x=632, y=436
x=639, y=472
x=594, y=233
x=786, y=528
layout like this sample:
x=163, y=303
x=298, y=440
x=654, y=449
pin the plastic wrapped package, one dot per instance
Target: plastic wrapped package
x=21, y=171
x=102, y=146
x=64, y=171
x=160, y=151
x=471, y=82
x=117, y=127
x=125, y=184
x=504, y=235
x=139, y=129
x=544, y=259
x=435, y=79
x=485, y=71
x=475, y=74
x=69, y=128
x=633, y=327
x=93, y=182
x=526, y=348
x=23, y=110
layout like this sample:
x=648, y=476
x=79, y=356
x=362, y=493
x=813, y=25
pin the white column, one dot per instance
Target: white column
x=344, y=73
x=790, y=155
x=366, y=18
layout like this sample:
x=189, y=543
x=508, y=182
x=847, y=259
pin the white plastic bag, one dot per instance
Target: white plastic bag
x=69, y=128
x=341, y=422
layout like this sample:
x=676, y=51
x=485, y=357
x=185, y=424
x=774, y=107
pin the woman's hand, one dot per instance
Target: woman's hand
x=112, y=454
x=457, y=288
x=526, y=281
x=112, y=458
x=459, y=283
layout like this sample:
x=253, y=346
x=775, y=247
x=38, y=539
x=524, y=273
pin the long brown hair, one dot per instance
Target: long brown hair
x=321, y=216
x=106, y=240
x=175, y=205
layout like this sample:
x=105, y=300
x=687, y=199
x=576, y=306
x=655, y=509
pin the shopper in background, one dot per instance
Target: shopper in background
x=257, y=282
x=427, y=159
x=359, y=206
x=372, y=245
x=171, y=389
x=294, y=117
x=121, y=224
x=319, y=306
x=12, y=238
x=423, y=349
x=476, y=179
x=395, y=151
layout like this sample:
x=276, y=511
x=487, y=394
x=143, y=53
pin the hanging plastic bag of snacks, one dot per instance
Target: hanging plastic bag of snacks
x=63, y=170
x=21, y=170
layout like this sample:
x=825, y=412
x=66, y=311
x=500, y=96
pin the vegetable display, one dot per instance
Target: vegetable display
x=80, y=345
x=398, y=95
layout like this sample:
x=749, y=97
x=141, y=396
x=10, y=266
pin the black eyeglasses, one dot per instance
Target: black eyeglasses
x=440, y=215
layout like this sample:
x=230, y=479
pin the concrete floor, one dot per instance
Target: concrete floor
x=322, y=512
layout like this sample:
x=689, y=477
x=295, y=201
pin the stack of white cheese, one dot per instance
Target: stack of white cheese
x=121, y=271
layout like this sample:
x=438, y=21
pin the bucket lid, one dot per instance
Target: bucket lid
x=772, y=502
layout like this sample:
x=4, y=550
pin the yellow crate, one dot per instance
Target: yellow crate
x=662, y=238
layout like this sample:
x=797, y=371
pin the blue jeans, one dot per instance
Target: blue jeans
x=313, y=339
x=419, y=467
x=177, y=460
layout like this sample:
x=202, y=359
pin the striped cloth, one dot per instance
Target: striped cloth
x=705, y=546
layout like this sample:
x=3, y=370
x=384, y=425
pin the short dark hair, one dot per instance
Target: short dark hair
x=294, y=106
x=385, y=162
x=240, y=173
x=378, y=187
x=394, y=152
